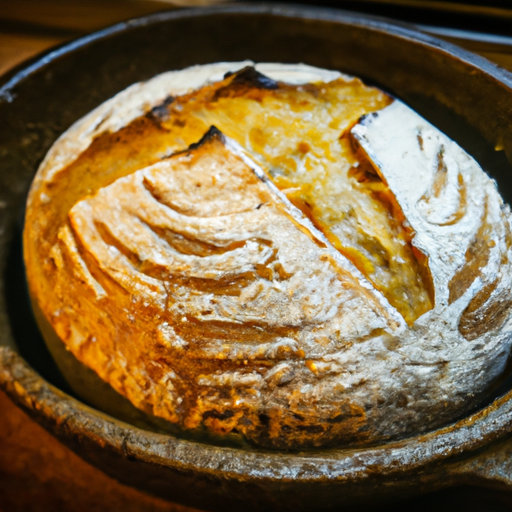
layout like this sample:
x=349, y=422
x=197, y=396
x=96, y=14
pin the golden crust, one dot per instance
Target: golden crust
x=262, y=288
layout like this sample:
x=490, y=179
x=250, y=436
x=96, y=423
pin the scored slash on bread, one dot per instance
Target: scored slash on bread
x=459, y=221
x=232, y=280
x=219, y=286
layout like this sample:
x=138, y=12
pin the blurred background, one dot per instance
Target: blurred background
x=28, y=27
x=39, y=474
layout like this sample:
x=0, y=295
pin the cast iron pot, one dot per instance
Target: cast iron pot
x=464, y=95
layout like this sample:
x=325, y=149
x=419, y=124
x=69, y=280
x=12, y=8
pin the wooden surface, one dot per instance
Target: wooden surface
x=28, y=27
x=37, y=473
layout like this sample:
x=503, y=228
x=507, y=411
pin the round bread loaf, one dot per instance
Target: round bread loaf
x=276, y=251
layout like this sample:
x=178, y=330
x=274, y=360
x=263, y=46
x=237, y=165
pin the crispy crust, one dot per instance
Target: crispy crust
x=217, y=294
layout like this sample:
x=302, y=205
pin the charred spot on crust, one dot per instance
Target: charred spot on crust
x=249, y=77
x=363, y=118
x=212, y=133
x=218, y=415
x=161, y=112
x=337, y=419
x=246, y=82
x=301, y=429
x=264, y=419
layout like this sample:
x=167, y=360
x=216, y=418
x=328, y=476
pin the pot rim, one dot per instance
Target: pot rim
x=377, y=23
x=69, y=418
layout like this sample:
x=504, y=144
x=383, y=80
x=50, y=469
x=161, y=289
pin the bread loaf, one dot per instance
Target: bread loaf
x=276, y=251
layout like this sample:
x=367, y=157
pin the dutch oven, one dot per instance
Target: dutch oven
x=464, y=95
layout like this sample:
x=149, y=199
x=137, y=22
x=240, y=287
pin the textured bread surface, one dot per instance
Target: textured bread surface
x=323, y=267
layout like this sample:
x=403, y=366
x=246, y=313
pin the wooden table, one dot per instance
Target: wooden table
x=37, y=473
